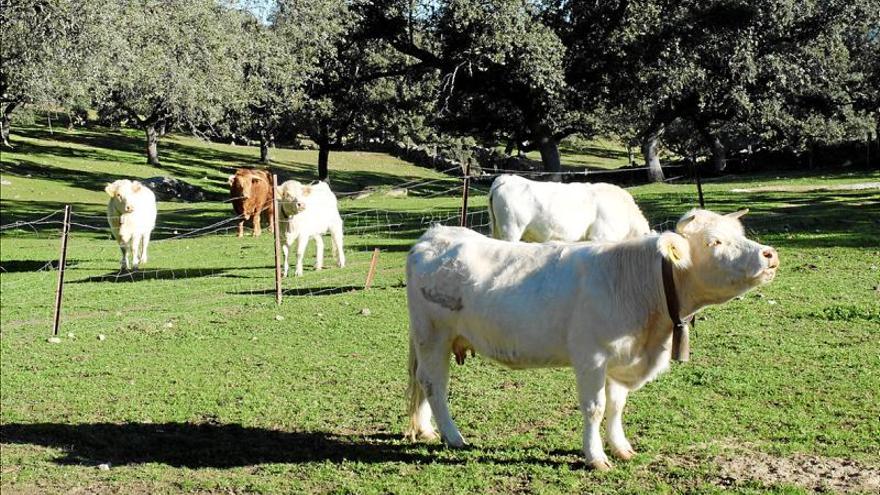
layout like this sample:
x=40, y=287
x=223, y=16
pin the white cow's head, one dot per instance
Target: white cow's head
x=294, y=194
x=122, y=193
x=723, y=263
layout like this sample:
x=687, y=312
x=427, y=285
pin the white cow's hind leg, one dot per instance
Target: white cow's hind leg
x=433, y=375
x=319, y=248
x=135, y=251
x=336, y=243
x=615, y=399
x=144, y=245
x=419, y=410
x=591, y=394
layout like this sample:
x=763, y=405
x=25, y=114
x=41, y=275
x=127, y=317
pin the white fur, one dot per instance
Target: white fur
x=308, y=212
x=599, y=308
x=522, y=209
x=131, y=214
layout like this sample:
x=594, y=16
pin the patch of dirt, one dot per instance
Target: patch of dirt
x=806, y=188
x=808, y=471
x=739, y=464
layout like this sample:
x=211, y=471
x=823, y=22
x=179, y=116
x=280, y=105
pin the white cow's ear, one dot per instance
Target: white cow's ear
x=737, y=214
x=675, y=248
x=110, y=189
x=136, y=186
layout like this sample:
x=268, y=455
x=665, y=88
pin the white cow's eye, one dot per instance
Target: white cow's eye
x=714, y=243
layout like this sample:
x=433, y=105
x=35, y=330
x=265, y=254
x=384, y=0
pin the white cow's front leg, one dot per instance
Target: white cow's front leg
x=433, y=376
x=591, y=394
x=615, y=399
x=288, y=241
x=301, y=243
x=124, y=264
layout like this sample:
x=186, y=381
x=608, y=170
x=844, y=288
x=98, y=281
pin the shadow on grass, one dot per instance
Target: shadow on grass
x=818, y=219
x=180, y=160
x=211, y=445
x=162, y=274
x=21, y=266
x=205, y=445
x=302, y=291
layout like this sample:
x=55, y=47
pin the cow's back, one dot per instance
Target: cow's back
x=618, y=217
x=540, y=211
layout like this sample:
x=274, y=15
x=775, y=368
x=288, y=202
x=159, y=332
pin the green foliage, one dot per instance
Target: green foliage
x=165, y=61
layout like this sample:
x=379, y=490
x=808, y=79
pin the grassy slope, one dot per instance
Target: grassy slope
x=200, y=386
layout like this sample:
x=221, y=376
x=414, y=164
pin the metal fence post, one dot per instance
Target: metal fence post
x=62, y=261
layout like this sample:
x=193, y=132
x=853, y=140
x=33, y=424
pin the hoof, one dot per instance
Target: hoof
x=625, y=454
x=600, y=465
x=455, y=443
x=423, y=436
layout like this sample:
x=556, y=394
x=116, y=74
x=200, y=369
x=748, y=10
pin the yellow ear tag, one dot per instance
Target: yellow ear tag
x=673, y=254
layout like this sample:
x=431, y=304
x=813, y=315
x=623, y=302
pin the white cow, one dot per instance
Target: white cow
x=598, y=308
x=523, y=209
x=131, y=214
x=309, y=212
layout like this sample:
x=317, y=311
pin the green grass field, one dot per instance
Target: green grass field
x=203, y=384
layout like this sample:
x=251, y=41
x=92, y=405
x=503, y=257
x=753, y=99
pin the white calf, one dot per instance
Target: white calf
x=131, y=214
x=523, y=209
x=309, y=212
x=599, y=308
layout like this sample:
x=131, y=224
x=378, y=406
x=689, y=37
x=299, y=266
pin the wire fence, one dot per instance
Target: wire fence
x=196, y=265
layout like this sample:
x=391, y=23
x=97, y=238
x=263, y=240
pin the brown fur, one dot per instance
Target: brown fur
x=257, y=184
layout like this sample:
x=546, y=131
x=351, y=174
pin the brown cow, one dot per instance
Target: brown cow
x=251, y=193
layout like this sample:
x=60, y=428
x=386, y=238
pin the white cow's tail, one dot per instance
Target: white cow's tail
x=493, y=225
x=414, y=394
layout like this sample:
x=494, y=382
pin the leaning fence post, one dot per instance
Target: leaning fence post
x=464, y=194
x=372, y=272
x=277, y=239
x=62, y=261
x=699, y=183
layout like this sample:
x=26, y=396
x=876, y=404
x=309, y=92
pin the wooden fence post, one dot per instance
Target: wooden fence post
x=464, y=195
x=62, y=261
x=277, y=239
x=372, y=272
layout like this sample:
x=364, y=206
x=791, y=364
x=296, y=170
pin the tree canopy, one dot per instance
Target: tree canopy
x=700, y=77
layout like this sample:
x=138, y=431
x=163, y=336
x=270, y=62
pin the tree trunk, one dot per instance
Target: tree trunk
x=719, y=155
x=549, y=149
x=152, y=144
x=652, y=160
x=323, y=157
x=511, y=144
x=5, y=123
x=265, y=142
x=630, y=153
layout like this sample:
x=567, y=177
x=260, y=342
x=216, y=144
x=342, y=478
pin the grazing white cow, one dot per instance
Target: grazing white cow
x=131, y=214
x=523, y=209
x=598, y=308
x=309, y=212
